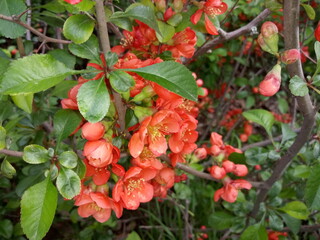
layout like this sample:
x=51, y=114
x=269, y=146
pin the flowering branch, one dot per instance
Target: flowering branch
x=234, y=34
x=291, y=38
x=42, y=37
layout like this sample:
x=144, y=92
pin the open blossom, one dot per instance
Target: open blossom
x=96, y=204
x=163, y=181
x=210, y=8
x=230, y=190
x=134, y=188
x=153, y=131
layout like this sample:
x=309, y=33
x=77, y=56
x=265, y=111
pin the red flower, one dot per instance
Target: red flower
x=73, y=1
x=100, y=153
x=210, y=8
x=147, y=160
x=134, y=188
x=317, y=33
x=96, y=204
x=229, y=192
x=152, y=131
x=163, y=181
x=99, y=176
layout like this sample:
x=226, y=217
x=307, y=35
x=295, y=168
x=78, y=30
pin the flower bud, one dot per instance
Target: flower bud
x=146, y=92
x=271, y=83
x=228, y=166
x=269, y=29
x=290, y=56
x=161, y=5
x=317, y=33
x=240, y=170
x=93, y=131
x=216, y=139
x=99, y=153
x=217, y=172
x=168, y=14
x=200, y=153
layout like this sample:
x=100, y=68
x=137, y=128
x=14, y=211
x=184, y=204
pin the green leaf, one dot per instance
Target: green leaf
x=255, y=232
x=287, y=133
x=130, y=118
x=133, y=236
x=80, y=169
x=93, y=100
x=3, y=134
x=68, y=183
x=301, y=171
x=119, y=19
x=85, y=5
x=10, y=8
x=23, y=101
x=317, y=50
x=292, y=223
x=7, y=169
x=33, y=74
x=171, y=75
x=309, y=10
x=298, y=86
x=166, y=32
x=87, y=50
x=296, y=209
x=273, y=5
x=6, y=228
x=312, y=192
x=63, y=56
x=121, y=81
x=142, y=13
x=38, y=206
x=4, y=64
x=78, y=28
x=68, y=159
x=261, y=117
x=182, y=191
x=275, y=222
x=220, y=220
x=65, y=122
x=111, y=59
x=35, y=154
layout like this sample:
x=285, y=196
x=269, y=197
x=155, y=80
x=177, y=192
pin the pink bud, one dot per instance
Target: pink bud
x=93, y=131
x=240, y=170
x=257, y=167
x=271, y=83
x=200, y=153
x=199, y=82
x=228, y=166
x=290, y=56
x=217, y=172
x=268, y=29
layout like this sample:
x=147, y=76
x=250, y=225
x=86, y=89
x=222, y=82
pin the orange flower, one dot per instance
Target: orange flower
x=210, y=8
x=229, y=192
x=93, y=131
x=134, y=188
x=99, y=176
x=163, y=181
x=100, y=153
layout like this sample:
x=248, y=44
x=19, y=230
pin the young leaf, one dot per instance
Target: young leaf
x=121, y=81
x=33, y=74
x=296, y=209
x=68, y=159
x=65, y=121
x=2, y=137
x=7, y=169
x=133, y=236
x=88, y=49
x=23, y=101
x=171, y=75
x=10, y=8
x=35, y=154
x=309, y=10
x=38, y=206
x=298, y=87
x=260, y=116
x=287, y=133
x=78, y=28
x=68, y=183
x=166, y=30
x=312, y=193
x=255, y=232
x=142, y=13
x=93, y=100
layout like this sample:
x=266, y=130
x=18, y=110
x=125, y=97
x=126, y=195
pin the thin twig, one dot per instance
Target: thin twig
x=41, y=36
x=11, y=153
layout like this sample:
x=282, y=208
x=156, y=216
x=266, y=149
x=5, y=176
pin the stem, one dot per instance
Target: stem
x=39, y=34
x=21, y=47
x=11, y=153
x=291, y=38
